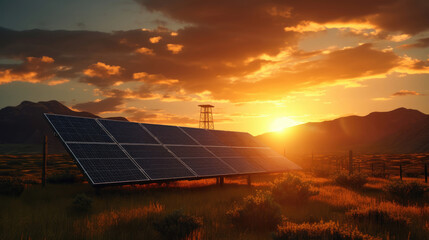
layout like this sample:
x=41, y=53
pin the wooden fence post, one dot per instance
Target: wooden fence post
x=400, y=170
x=45, y=159
x=350, y=162
x=426, y=173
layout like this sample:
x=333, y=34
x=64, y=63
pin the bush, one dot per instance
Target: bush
x=177, y=225
x=82, y=203
x=354, y=181
x=258, y=212
x=316, y=231
x=322, y=172
x=405, y=191
x=11, y=186
x=381, y=220
x=291, y=189
x=61, y=178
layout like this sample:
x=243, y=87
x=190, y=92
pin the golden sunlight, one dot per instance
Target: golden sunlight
x=279, y=124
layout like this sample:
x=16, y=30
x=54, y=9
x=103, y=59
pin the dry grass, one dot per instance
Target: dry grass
x=99, y=223
x=341, y=198
x=128, y=212
x=321, y=230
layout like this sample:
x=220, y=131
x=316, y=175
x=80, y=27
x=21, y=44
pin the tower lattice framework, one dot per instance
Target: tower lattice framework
x=206, y=116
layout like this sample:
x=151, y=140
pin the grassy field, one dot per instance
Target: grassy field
x=129, y=212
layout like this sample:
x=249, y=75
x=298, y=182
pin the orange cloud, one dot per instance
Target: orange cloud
x=155, y=39
x=101, y=69
x=175, y=48
x=146, y=51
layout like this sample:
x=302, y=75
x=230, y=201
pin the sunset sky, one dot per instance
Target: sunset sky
x=264, y=65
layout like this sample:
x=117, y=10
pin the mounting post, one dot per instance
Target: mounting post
x=45, y=159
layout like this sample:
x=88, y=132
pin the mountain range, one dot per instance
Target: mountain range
x=399, y=131
x=25, y=123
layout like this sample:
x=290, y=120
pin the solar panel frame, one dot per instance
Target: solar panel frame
x=164, y=155
x=159, y=131
x=65, y=136
x=146, y=138
x=225, y=161
x=76, y=159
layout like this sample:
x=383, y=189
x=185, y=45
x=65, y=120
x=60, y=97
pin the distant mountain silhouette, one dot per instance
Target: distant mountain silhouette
x=25, y=123
x=399, y=131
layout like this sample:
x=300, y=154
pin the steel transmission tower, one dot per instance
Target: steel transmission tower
x=206, y=116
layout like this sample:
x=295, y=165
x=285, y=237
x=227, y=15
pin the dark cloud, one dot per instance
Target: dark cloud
x=407, y=16
x=220, y=45
x=105, y=105
x=421, y=43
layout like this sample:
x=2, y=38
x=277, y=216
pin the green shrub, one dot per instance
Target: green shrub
x=11, y=186
x=63, y=177
x=405, y=191
x=354, y=181
x=318, y=231
x=177, y=225
x=291, y=189
x=258, y=212
x=82, y=203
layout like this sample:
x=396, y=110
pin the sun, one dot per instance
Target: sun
x=279, y=124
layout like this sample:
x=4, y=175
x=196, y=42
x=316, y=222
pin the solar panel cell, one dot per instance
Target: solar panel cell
x=203, y=136
x=82, y=150
x=128, y=132
x=164, y=168
x=111, y=170
x=243, y=165
x=170, y=134
x=182, y=151
x=208, y=166
x=147, y=151
x=75, y=129
x=224, y=152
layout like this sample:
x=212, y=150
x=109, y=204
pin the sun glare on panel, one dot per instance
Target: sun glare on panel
x=281, y=123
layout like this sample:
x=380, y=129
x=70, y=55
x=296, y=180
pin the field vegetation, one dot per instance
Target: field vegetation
x=296, y=205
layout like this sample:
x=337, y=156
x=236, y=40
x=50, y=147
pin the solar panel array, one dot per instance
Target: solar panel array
x=112, y=152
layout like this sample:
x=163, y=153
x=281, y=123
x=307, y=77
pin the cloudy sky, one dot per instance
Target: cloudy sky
x=264, y=65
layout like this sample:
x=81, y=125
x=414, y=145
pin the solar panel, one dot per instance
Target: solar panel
x=127, y=132
x=111, y=170
x=76, y=129
x=105, y=163
x=236, y=160
x=170, y=134
x=269, y=164
x=147, y=151
x=110, y=151
x=96, y=150
x=224, y=152
x=157, y=162
x=187, y=151
x=239, y=139
x=208, y=166
x=203, y=136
